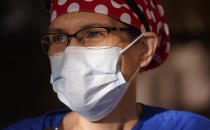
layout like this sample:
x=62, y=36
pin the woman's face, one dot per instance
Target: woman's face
x=73, y=22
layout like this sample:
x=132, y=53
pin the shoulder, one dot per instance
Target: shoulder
x=154, y=117
x=48, y=120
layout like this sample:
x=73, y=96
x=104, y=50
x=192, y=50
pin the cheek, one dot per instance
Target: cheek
x=116, y=41
x=129, y=64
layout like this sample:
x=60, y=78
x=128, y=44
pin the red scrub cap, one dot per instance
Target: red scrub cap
x=152, y=11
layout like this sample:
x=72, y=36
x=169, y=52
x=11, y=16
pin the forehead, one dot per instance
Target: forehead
x=72, y=22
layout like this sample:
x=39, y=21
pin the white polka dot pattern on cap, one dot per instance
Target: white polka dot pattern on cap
x=160, y=10
x=159, y=26
x=152, y=4
x=125, y=18
x=148, y=14
x=73, y=7
x=61, y=2
x=136, y=15
x=54, y=15
x=126, y=6
x=150, y=27
x=115, y=4
x=165, y=26
x=153, y=16
x=140, y=7
x=102, y=9
x=145, y=1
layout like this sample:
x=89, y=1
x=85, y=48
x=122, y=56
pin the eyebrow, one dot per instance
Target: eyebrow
x=59, y=30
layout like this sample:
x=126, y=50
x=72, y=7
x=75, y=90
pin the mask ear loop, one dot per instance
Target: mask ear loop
x=133, y=42
x=137, y=70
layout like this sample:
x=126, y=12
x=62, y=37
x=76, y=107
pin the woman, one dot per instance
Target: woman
x=96, y=49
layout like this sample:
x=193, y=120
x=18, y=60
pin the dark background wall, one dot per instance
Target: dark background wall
x=25, y=70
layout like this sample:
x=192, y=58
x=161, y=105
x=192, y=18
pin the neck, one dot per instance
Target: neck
x=123, y=117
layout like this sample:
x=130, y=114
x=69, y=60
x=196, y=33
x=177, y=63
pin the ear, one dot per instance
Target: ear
x=149, y=41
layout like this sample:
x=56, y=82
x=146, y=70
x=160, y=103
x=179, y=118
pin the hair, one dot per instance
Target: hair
x=134, y=33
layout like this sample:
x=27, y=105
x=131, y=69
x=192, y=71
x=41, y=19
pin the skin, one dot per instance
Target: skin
x=127, y=112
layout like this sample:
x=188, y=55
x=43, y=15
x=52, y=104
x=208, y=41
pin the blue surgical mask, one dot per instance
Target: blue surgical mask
x=88, y=80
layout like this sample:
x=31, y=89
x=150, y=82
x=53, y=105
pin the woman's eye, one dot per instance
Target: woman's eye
x=94, y=34
x=58, y=38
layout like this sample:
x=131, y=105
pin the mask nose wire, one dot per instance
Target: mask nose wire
x=133, y=42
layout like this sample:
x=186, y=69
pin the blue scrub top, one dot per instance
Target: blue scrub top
x=152, y=118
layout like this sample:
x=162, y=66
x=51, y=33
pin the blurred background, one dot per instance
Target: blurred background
x=181, y=83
